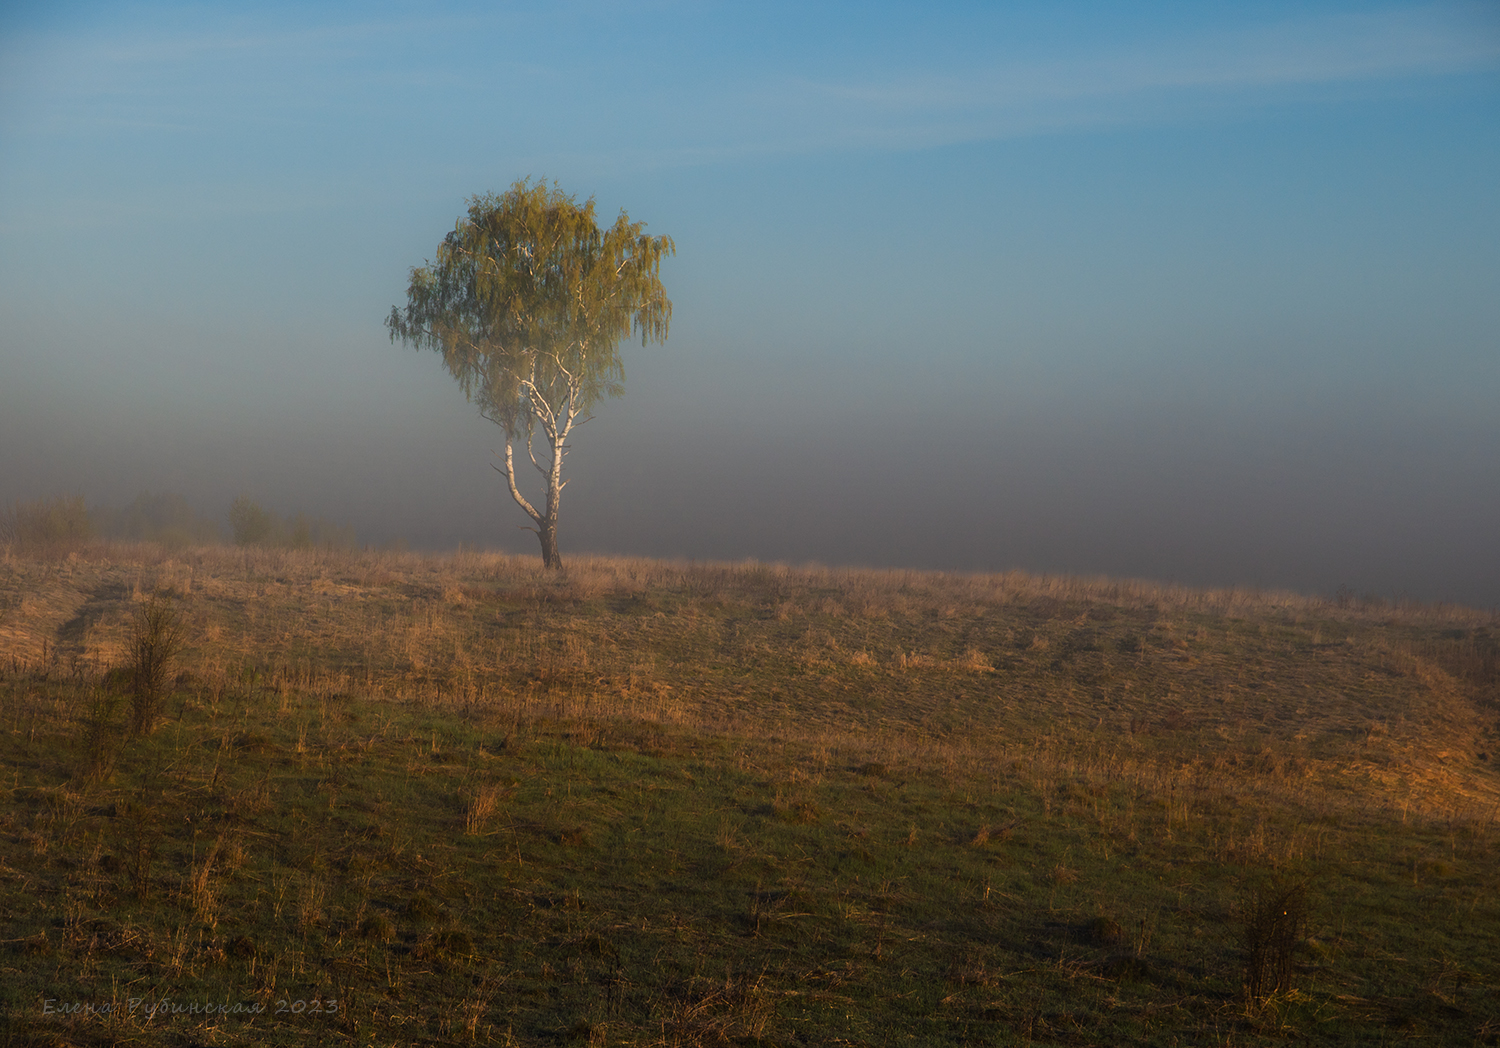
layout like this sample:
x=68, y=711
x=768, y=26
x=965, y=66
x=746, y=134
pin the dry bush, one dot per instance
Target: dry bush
x=1275, y=922
x=158, y=640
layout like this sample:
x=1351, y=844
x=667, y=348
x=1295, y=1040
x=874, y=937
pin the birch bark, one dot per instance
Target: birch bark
x=556, y=426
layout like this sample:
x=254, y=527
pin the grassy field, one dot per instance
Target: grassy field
x=407, y=799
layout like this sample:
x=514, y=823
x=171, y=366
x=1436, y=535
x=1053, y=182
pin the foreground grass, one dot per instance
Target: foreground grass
x=425, y=800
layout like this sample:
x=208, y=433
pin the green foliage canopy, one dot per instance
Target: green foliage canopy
x=528, y=300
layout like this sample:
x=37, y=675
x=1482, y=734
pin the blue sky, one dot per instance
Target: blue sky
x=1199, y=292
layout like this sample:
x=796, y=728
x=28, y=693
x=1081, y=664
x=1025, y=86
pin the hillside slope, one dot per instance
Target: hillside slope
x=1399, y=704
x=422, y=800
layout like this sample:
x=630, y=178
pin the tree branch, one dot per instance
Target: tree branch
x=532, y=454
x=510, y=479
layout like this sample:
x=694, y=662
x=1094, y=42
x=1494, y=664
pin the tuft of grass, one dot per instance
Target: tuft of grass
x=480, y=808
x=377, y=926
x=101, y=733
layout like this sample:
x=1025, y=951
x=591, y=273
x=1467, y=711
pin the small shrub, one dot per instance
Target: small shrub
x=157, y=642
x=1274, y=924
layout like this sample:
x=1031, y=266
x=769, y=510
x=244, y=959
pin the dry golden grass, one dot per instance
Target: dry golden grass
x=1178, y=688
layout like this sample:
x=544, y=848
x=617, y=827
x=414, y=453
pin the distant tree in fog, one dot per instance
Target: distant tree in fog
x=167, y=518
x=56, y=525
x=253, y=525
x=527, y=303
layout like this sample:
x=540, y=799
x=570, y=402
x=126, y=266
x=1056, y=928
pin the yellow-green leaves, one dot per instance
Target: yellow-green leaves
x=528, y=300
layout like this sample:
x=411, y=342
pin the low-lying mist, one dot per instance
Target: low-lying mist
x=1176, y=496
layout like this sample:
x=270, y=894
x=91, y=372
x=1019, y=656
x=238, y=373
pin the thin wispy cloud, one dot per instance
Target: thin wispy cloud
x=137, y=81
x=1225, y=70
x=1223, y=74
x=269, y=74
x=153, y=48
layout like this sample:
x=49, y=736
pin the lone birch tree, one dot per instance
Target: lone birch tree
x=527, y=303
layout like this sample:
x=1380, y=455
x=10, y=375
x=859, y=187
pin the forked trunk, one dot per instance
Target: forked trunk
x=557, y=436
x=546, y=522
